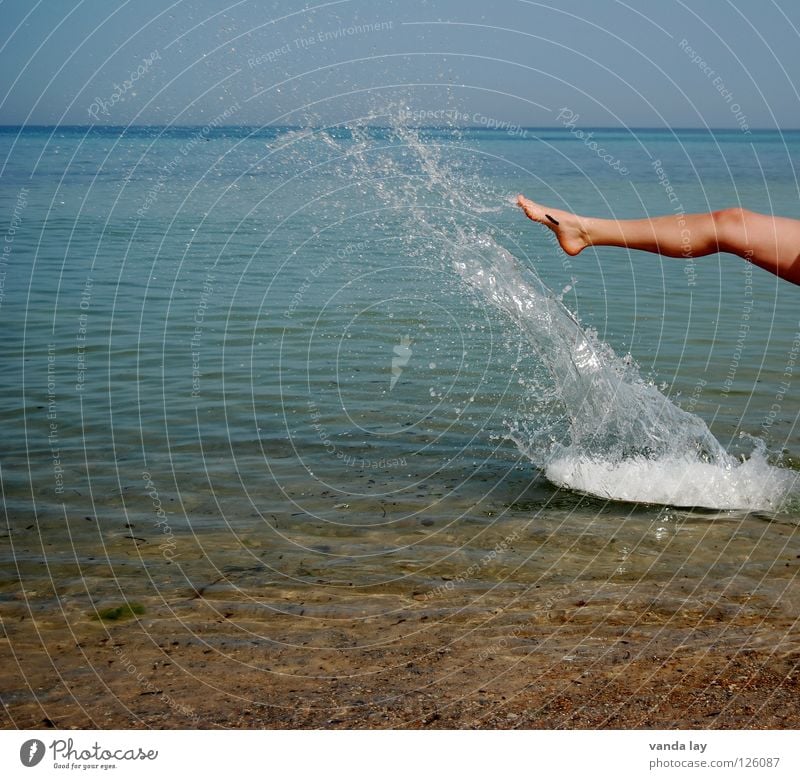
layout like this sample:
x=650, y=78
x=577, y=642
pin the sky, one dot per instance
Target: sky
x=598, y=63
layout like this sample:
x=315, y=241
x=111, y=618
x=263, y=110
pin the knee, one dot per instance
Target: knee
x=729, y=224
x=729, y=218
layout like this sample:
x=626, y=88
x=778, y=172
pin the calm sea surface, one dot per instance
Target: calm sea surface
x=225, y=361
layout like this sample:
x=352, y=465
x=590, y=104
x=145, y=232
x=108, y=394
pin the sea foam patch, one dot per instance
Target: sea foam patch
x=678, y=481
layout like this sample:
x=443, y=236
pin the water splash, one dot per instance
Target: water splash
x=627, y=441
x=624, y=439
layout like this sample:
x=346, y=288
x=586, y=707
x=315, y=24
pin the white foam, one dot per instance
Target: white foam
x=678, y=481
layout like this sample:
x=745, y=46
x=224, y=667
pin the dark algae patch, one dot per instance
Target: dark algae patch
x=117, y=613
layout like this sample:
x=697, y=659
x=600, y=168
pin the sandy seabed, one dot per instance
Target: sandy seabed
x=220, y=659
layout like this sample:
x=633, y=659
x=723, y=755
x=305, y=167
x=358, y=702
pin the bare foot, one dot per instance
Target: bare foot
x=568, y=228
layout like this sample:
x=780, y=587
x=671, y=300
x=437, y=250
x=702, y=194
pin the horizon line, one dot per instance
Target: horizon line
x=509, y=128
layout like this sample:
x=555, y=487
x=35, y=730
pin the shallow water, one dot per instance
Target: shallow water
x=265, y=353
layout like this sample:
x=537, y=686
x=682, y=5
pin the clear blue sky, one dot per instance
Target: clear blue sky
x=515, y=61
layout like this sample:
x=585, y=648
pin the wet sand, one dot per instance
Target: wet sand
x=224, y=657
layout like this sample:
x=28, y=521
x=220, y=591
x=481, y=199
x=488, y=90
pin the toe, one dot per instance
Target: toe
x=530, y=210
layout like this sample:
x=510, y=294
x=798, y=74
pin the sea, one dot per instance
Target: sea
x=259, y=362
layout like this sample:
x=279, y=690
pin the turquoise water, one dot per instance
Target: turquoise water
x=242, y=339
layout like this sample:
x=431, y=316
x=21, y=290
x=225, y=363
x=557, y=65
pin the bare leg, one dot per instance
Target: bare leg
x=771, y=242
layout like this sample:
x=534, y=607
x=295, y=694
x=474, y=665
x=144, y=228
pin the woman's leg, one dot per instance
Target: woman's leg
x=771, y=242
